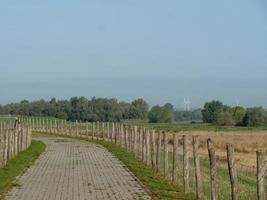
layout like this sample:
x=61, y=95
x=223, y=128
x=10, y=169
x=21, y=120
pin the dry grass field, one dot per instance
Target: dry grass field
x=245, y=143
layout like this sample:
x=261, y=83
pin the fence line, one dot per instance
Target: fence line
x=14, y=138
x=152, y=147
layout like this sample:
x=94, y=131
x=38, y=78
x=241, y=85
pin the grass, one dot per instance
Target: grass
x=176, y=127
x=246, y=179
x=159, y=187
x=18, y=165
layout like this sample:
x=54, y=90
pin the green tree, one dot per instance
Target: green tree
x=254, y=117
x=238, y=114
x=141, y=108
x=265, y=117
x=61, y=115
x=160, y=115
x=169, y=106
x=224, y=118
x=211, y=111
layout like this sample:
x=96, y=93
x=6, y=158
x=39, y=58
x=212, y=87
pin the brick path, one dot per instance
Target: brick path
x=76, y=170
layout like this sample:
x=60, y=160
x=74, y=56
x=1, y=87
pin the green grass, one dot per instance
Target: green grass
x=246, y=179
x=184, y=126
x=18, y=165
x=193, y=127
x=160, y=187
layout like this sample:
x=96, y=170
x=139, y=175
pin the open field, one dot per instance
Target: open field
x=245, y=144
x=176, y=127
x=246, y=179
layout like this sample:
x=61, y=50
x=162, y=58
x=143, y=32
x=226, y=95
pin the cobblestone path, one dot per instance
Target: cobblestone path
x=76, y=170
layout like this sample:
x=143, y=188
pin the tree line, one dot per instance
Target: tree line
x=104, y=109
x=99, y=109
x=216, y=112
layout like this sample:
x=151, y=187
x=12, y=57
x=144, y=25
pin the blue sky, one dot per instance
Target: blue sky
x=162, y=51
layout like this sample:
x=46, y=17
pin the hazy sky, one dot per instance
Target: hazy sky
x=162, y=50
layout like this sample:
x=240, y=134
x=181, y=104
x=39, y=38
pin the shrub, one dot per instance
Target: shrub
x=254, y=117
x=238, y=114
x=224, y=118
x=159, y=114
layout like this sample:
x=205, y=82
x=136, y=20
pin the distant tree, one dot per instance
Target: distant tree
x=160, y=115
x=61, y=115
x=197, y=115
x=169, y=106
x=211, y=111
x=238, y=114
x=265, y=117
x=141, y=108
x=224, y=118
x=254, y=117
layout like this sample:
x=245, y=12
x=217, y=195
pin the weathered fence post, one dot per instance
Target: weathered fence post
x=143, y=145
x=135, y=142
x=153, y=149
x=1, y=148
x=186, y=164
x=197, y=168
x=103, y=131
x=158, y=151
x=175, y=159
x=108, y=132
x=261, y=170
x=232, y=171
x=213, y=173
x=140, y=143
x=148, y=158
x=166, y=159
x=93, y=130
x=125, y=134
x=113, y=133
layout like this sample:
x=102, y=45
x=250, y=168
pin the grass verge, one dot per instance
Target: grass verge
x=18, y=165
x=159, y=187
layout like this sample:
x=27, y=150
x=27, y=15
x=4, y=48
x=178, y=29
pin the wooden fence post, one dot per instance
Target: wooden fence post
x=130, y=129
x=108, y=132
x=197, y=168
x=175, y=159
x=213, y=172
x=103, y=131
x=143, y=145
x=140, y=143
x=125, y=134
x=153, y=149
x=93, y=130
x=1, y=148
x=261, y=170
x=158, y=151
x=113, y=133
x=232, y=171
x=5, y=146
x=186, y=168
x=97, y=130
x=166, y=159
x=135, y=142
x=148, y=158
